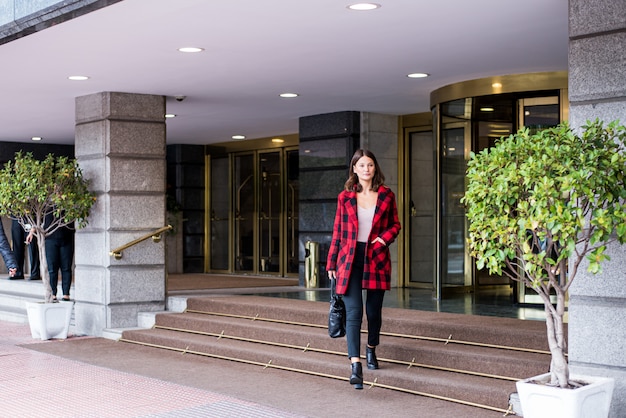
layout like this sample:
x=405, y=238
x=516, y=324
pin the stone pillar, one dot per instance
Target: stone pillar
x=120, y=146
x=597, y=89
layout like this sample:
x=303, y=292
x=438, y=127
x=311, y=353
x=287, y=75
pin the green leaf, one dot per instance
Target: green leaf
x=556, y=186
x=31, y=188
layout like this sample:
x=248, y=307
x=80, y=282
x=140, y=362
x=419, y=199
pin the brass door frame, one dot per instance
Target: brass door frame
x=208, y=219
x=207, y=213
x=282, y=212
x=525, y=295
x=423, y=123
x=237, y=216
x=268, y=217
x=286, y=218
x=468, y=279
x=517, y=83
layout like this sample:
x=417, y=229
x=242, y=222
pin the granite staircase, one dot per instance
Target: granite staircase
x=473, y=360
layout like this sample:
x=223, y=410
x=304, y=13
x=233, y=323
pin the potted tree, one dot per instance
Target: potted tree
x=537, y=206
x=32, y=191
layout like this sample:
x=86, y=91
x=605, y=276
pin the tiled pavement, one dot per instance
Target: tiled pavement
x=96, y=377
x=36, y=384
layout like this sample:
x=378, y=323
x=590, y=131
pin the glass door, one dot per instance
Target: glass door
x=536, y=113
x=422, y=209
x=269, y=212
x=539, y=113
x=244, y=206
x=454, y=152
x=219, y=220
x=493, y=118
x=253, y=221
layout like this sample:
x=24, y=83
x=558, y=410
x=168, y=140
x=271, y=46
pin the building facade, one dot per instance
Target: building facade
x=256, y=209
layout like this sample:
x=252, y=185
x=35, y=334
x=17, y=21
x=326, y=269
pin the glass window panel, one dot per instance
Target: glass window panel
x=243, y=192
x=453, y=167
x=455, y=110
x=219, y=214
x=293, y=197
x=269, y=212
x=422, y=208
x=540, y=117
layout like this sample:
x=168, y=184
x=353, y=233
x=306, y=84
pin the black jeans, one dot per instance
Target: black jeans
x=354, y=307
x=60, y=255
x=18, y=236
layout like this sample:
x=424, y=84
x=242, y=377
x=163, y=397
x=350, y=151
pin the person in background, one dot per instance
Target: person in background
x=7, y=254
x=18, y=236
x=366, y=223
x=60, y=256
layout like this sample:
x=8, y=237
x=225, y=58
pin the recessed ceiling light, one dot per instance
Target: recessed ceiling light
x=36, y=138
x=289, y=95
x=78, y=77
x=363, y=6
x=238, y=137
x=190, y=49
x=417, y=75
x=486, y=109
x=278, y=140
x=170, y=115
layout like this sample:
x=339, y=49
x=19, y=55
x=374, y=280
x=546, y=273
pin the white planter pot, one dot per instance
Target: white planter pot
x=590, y=401
x=49, y=320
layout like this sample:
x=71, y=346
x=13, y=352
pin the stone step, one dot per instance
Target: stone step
x=13, y=297
x=467, y=388
x=14, y=294
x=437, y=325
x=469, y=359
x=406, y=349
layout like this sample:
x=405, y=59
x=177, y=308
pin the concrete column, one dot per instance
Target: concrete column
x=120, y=146
x=597, y=89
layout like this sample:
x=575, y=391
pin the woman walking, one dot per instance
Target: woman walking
x=366, y=223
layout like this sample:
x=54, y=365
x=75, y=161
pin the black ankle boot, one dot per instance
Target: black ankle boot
x=356, y=378
x=370, y=356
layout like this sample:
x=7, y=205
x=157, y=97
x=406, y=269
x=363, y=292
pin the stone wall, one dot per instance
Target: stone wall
x=597, y=89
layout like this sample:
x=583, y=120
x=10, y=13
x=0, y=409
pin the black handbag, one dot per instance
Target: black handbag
x=336, y=314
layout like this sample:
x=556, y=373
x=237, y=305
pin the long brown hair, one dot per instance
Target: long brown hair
x=352, y=184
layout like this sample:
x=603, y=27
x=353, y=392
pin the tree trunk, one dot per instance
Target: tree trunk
x=43, y=267
x=559, y=368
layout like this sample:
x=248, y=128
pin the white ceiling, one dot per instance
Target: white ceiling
x=336, y=59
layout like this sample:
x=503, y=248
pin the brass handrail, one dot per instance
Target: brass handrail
x=156, y=237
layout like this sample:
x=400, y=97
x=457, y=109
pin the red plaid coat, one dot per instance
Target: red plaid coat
x=377, y=269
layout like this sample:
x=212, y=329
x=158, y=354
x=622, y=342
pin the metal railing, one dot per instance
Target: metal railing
x=156, y=237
